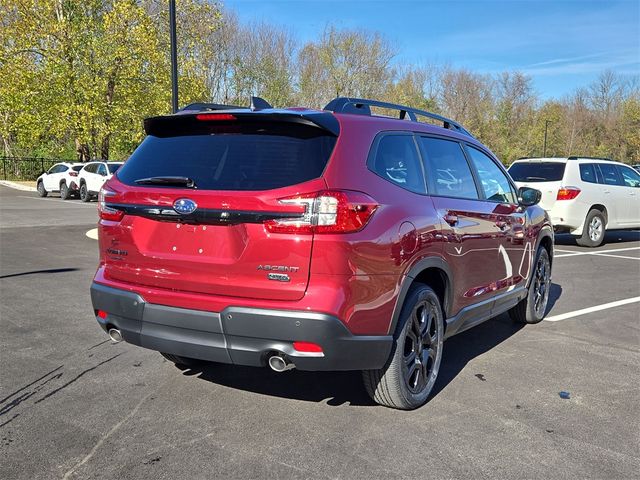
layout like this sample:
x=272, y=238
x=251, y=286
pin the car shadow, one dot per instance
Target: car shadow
x=346, y=388
x=612, y=236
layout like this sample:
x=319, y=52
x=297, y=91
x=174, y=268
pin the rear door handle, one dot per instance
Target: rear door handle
x=451, y=219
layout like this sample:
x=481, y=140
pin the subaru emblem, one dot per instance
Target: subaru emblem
x=185, y=206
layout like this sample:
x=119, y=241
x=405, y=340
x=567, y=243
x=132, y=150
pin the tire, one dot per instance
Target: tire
x=41, y=191
x=85, y=196
x=65, y=193
x=593, y=230
x=405, y=382
x=532, y=309
x=182, y=361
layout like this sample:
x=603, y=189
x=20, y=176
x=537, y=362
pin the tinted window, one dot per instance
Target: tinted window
x=537, y=171
x=54, y=169
x=588, y=173
x=630, y=177
x=102, y=170
x=91, y=168
x=62, y=168
x=113, y=167
x=264, y=159
x=77, y=168
x=447, y=169
x=610, y=174
x=396, y=160
x=494, y=182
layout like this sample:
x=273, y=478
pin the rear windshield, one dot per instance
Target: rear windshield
x=537, y=171
x=77, y=168
x=113, y=167
x=256, y=159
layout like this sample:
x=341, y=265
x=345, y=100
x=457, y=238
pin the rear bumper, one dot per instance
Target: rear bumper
x=237, y=335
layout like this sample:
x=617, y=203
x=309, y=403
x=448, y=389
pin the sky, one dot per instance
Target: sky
x=561, y=44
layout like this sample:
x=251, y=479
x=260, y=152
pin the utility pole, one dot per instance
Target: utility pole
x=174, y=56
x=544, y=150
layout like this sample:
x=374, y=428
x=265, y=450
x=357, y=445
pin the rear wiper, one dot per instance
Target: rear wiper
x=180, y=181
x=532, y=179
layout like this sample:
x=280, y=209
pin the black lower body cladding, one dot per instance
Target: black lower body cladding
x=242, y=336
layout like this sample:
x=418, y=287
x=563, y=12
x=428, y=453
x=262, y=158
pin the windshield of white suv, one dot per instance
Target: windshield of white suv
x=537, y=171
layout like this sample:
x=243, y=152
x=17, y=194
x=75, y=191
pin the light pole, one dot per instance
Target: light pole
x=174, y=56
x=544, y=149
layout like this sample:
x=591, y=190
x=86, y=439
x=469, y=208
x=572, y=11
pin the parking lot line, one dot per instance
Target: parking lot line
x=66, y=202
x=573, y=253
x=597, y=308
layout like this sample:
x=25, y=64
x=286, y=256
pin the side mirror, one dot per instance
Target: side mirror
x=529, y=196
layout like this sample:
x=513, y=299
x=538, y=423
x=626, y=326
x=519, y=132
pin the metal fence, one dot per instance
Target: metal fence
x=25, y=168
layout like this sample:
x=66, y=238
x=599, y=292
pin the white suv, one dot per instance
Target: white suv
x=93, y=176
x=584, y=196
x=59, y=178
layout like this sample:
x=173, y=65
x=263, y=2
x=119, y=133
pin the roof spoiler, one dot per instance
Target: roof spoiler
x=188, y=122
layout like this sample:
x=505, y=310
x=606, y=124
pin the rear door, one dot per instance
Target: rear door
x=98, y=178
x=631, y=179
x=614, y=195
x=239, y=171
x=472, y=237
x=544, y=176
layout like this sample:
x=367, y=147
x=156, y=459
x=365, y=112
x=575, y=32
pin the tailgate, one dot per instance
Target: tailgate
x=210, y=237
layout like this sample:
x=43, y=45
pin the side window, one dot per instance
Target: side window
x=588, y=173
x=494, y=182
x=62, y=168
x=102, y=170
x=610, y=174
x=396, y=160
x=447, y=169
x=53, y=169
x=630, y=177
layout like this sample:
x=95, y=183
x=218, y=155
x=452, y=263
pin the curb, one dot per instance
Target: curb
x=17, y=186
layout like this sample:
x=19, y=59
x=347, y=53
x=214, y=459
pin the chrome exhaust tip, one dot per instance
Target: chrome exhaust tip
x=279, y=364
x=115, y=335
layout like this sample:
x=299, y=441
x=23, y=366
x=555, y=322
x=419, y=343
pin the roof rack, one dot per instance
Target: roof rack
x=590, y=158
x=361, y=106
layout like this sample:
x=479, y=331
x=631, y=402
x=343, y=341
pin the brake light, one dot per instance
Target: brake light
x=221, y=117
x=329, y=211
x=73, y=174
x=567, y=193
x=102, y=314
x=105, y=212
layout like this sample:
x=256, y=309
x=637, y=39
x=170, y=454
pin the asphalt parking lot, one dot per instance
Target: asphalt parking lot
x=74, y=405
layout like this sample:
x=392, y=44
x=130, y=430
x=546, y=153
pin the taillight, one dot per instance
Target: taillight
x=567, y=193
x=307, y=347
x=73, y=174
x=220, y=117
x=105, y=212
x=329, y=211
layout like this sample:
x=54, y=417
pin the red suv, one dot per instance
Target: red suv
x=318, y=240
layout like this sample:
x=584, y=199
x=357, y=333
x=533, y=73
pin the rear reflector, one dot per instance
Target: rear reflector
x=329, y=211
x=220, y=117
x=102, y=314
x=105, y=212
x=568, y=193
x=307, y=347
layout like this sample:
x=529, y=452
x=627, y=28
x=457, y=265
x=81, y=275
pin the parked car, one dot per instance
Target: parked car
x=59, y=178
x=637, y=168
x=584, y=196
x=317, y=240
x=92, y=177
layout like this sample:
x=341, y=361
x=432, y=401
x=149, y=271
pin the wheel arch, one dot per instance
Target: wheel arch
x=603, y=210
x=431, y=271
